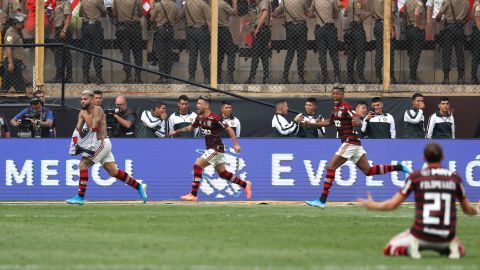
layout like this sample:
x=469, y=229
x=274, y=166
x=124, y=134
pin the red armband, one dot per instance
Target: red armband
x=94, y=129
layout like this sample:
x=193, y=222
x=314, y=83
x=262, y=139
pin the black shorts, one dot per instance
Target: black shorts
x=242, y=7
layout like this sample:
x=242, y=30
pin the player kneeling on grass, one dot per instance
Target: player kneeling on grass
x=211, y=126
x=436, y=190
x=95, y=147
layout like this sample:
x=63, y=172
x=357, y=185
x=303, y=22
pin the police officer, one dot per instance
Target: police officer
x=197, y=16
x=9, y=8
x=295, y=12
x=325, y=13
x=92, y=36
x=13, y=63
x=475, y=41
x=455, y=13
x=416, y=16
x=356, y=40
x=225, y=41
x=377, y=14
x=62, y=18
x=129, y=34
x=164, y=15
x=261, y=37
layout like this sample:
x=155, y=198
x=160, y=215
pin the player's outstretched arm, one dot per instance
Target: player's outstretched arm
x=320, y=123
x=175, y=133
x=468, y=208
x=236, y=146
x=388, y=205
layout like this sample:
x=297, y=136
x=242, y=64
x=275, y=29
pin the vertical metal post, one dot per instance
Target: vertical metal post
x=214, y=45
x=387, y=19
x=63, y=74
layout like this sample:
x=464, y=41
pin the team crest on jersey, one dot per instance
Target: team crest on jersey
x=477, y=8
x=358, y=5
x=384, y=119
x=339, y=113
x=213, y=185
x=420, y=4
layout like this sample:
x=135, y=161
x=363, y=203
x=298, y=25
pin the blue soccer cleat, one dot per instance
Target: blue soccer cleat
x=142, y=191
x=76, y=200
x=317, y=203
x=406, y=169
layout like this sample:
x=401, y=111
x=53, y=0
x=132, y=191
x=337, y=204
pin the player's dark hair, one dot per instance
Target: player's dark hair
x=312, y=100
x=444, y=99
x=206, y=99
x=159, y=104
x=280, y=101
x=376, y=99
x=97, y=92
x=183, y=97
x=433, y=153
x=39, y=91
x=416, y=95
x=361, y=103
x=339, y=87
x=226, y=102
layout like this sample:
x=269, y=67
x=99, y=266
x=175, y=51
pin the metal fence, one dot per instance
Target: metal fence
x=340, y=47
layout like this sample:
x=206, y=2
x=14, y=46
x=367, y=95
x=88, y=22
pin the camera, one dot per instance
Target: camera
x=113, y=127
x=29, y=128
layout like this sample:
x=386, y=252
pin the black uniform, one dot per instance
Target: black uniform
x=260, y=48
x=62, y=10
x=476, y=42
x=225, y=42
x=415, y=35
x=356, y=41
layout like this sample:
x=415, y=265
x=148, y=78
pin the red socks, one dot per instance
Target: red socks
x=127, y=179
x=327, y=184
x=197, y=178
x=82, y=183
x=233, y=178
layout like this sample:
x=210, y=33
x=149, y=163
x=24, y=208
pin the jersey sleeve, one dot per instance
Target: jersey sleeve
x=407, y=187
x=460, y=190
x=196, y=123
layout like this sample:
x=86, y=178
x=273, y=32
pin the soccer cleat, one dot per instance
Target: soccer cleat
x=142, y=190
x=413, y=249
x=454, y=249
x=406, y=169
x=189, y=197
x=76, y=200
x=248, y=190
x=317, y=203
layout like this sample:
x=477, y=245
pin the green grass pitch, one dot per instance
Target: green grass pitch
x=204, y=236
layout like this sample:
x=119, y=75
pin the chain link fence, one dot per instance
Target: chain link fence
x=259, y=41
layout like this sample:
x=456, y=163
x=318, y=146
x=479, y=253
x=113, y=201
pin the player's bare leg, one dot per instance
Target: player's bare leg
x=246, y=185
x=332, y=166
x=368, y=170
x=198, y=167
x=85, y=163
x=113, y=171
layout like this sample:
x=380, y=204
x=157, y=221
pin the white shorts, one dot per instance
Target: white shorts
x=213, y=157
x=103, y=152
x=351, y=152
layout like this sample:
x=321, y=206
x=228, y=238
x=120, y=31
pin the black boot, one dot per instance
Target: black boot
x=251, y=78
x=138, y=78
x=446, y=78
x=461, y=77
x=474, y=79
x=285, y=78
x=230, y=78
x=128, y=78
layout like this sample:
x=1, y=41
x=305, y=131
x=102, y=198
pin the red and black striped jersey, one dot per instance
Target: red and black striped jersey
x=436, y=190
x=211, y=127
x=342, y=116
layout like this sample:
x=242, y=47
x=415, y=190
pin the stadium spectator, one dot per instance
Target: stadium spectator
x=416, y=18
x=62, y=19
x=356, y=40
x=164, y=15
x=476, y=133
x=475, y=49
x=436, y=191
x=4, y=128
x=92, y=12
x=229, y=119
x=97, y=98
x=182, y=118
x=361, y=109
x=280, y=125
x=310, y=115
x=454, y=36
x=378, y=124
x=35, y=116
x=377, y=7
x=326, y=13
x=13, y=63
x=153, y=123
x=129, y=35
x=441, y=124
x=197, y=16
x=261, y=38
x=126, y=117
x=295, y=13
x=414, y=118
x=225, y=41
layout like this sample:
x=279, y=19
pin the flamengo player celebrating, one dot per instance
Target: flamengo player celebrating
x=344, y=118
x=436, y=190
x=211, y=126
x=96, y=147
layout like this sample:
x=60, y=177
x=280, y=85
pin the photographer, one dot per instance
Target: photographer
x=4, y=128
x=35, y=121
x=153, y=122
x=120, y=119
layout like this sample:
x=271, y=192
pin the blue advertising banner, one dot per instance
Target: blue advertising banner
x=280, y=169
